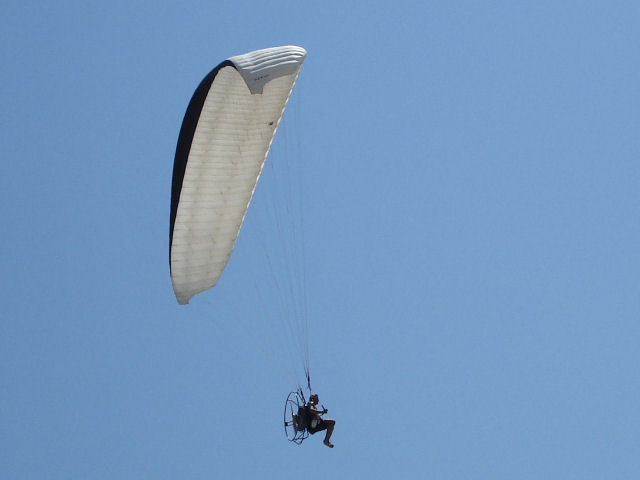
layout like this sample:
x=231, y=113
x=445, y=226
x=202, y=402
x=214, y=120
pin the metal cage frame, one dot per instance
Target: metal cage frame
x=294, y=401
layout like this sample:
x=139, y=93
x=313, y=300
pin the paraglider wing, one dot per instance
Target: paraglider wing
x=224, y=140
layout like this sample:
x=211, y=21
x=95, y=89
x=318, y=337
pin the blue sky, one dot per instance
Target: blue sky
x=471, y=206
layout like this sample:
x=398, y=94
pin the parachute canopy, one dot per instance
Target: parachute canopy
x=224, y=140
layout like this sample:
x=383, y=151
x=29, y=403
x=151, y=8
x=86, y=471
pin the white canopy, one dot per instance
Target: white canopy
x=224, y=140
